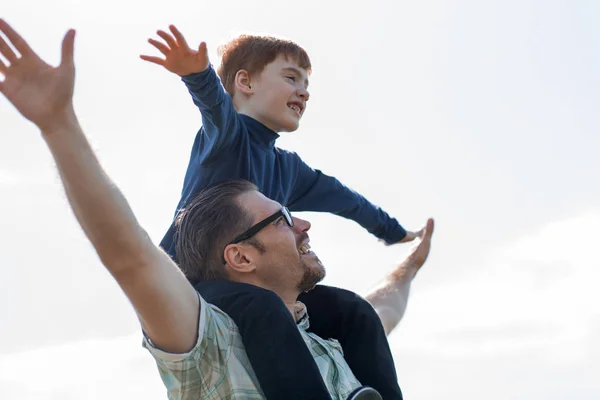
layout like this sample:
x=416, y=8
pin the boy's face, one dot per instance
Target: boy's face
x=279, y=95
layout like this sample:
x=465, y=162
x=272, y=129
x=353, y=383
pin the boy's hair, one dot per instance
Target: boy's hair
x=253, y=53
x=205, y=226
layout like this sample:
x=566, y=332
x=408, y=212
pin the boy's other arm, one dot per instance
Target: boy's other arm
x=315, y=191
x=167, y=305
x=390, y=296
x=219, y=118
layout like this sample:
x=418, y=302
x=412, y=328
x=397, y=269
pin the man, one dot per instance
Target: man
x=196, y=346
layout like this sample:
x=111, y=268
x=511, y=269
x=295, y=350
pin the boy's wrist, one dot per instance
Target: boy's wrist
x=197, y=75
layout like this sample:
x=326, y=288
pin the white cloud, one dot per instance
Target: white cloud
x=22, y=178
x=537, y=292
x=93, y=369
x=8, y=178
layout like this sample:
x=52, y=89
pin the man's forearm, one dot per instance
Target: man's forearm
x=100, y=208
x=390, y=297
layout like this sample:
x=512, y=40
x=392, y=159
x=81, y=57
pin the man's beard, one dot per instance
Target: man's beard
x=312, y=276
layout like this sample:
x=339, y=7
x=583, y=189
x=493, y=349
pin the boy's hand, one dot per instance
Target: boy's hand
x=41, y=93
x=179, y=57
x=410, y=236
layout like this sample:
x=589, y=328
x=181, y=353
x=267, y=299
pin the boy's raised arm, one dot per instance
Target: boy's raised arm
x=165, y=302
x=219, y=118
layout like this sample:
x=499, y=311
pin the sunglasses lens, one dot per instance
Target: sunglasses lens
x=288, y=216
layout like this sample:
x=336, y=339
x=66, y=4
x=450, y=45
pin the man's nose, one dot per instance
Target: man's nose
x=301, y=225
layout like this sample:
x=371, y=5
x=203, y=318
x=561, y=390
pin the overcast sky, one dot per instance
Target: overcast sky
x=482, y=114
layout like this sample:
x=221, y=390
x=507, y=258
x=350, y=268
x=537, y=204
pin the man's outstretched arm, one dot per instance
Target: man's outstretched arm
x=390, y=296
x=165, y=302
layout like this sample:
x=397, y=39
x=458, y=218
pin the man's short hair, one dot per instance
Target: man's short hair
x=205, y=226
x=253, y=53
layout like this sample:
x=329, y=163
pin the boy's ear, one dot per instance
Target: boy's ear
x=238, y=258
x=242, y=81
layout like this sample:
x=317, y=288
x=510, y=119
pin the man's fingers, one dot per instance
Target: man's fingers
x=167, y=38
x=68, y=46
x=160, y=46
x=16, y=40
x=7, y=52
x=202, y=48
x=155, y=60
x=3, y=68
x=179, y=37
x=428, y=230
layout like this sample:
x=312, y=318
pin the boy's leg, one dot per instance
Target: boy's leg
x=345, y=316
x=282, y=362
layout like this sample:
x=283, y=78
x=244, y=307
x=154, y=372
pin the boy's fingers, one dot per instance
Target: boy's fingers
x=16, y=40
x=155, y=60
x=160, y=46
x=3, y=67
x=179, y=37
x=7, y=52
x=167, y=38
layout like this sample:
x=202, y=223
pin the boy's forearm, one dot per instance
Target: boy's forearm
x=99, y=206
x=219, y=118
x=328, y=194
x=205, y=88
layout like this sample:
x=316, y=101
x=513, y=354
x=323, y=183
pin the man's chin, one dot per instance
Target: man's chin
x=313, y=274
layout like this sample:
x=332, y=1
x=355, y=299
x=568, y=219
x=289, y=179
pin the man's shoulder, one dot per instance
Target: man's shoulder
x=218, y=362
x=214, y=326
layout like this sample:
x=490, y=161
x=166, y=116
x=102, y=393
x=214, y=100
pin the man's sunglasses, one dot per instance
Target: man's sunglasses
x=254, y=229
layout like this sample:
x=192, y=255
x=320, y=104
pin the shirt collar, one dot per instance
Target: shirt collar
x=260, y=133
x=301, y=315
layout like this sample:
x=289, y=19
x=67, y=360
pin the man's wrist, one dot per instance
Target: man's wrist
x=63, y=122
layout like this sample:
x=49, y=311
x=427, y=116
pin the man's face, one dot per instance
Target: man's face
x=280, y=95
x=286, y=261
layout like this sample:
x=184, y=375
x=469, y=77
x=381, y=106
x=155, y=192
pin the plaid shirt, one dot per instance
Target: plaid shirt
x=218, y=366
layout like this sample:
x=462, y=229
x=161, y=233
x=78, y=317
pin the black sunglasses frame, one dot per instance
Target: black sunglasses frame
x=254, y=229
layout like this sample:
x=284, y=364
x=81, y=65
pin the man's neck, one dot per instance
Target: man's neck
x=293, y=308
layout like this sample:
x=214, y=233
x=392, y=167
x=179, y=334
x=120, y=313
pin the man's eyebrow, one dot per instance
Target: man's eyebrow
x=297, y=72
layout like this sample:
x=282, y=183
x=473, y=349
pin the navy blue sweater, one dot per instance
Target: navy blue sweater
x=234, y=146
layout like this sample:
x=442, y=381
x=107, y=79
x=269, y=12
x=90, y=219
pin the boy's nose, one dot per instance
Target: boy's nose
x=303, y=94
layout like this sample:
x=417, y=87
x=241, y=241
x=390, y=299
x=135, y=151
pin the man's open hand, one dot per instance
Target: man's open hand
x=420, y=252
x=408, y=268
x=179, y=57
x=41, y=93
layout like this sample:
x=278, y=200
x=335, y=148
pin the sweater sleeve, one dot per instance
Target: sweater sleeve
x=316, y=191
x=220, y=120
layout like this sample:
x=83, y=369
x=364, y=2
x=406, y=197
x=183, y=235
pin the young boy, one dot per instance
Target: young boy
x=262, y=91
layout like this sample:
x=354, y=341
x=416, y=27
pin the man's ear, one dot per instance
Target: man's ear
x=242, y=82
x=238, y=258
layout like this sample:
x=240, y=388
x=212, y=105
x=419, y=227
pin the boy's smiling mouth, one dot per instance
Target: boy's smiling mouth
x=297, y=107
